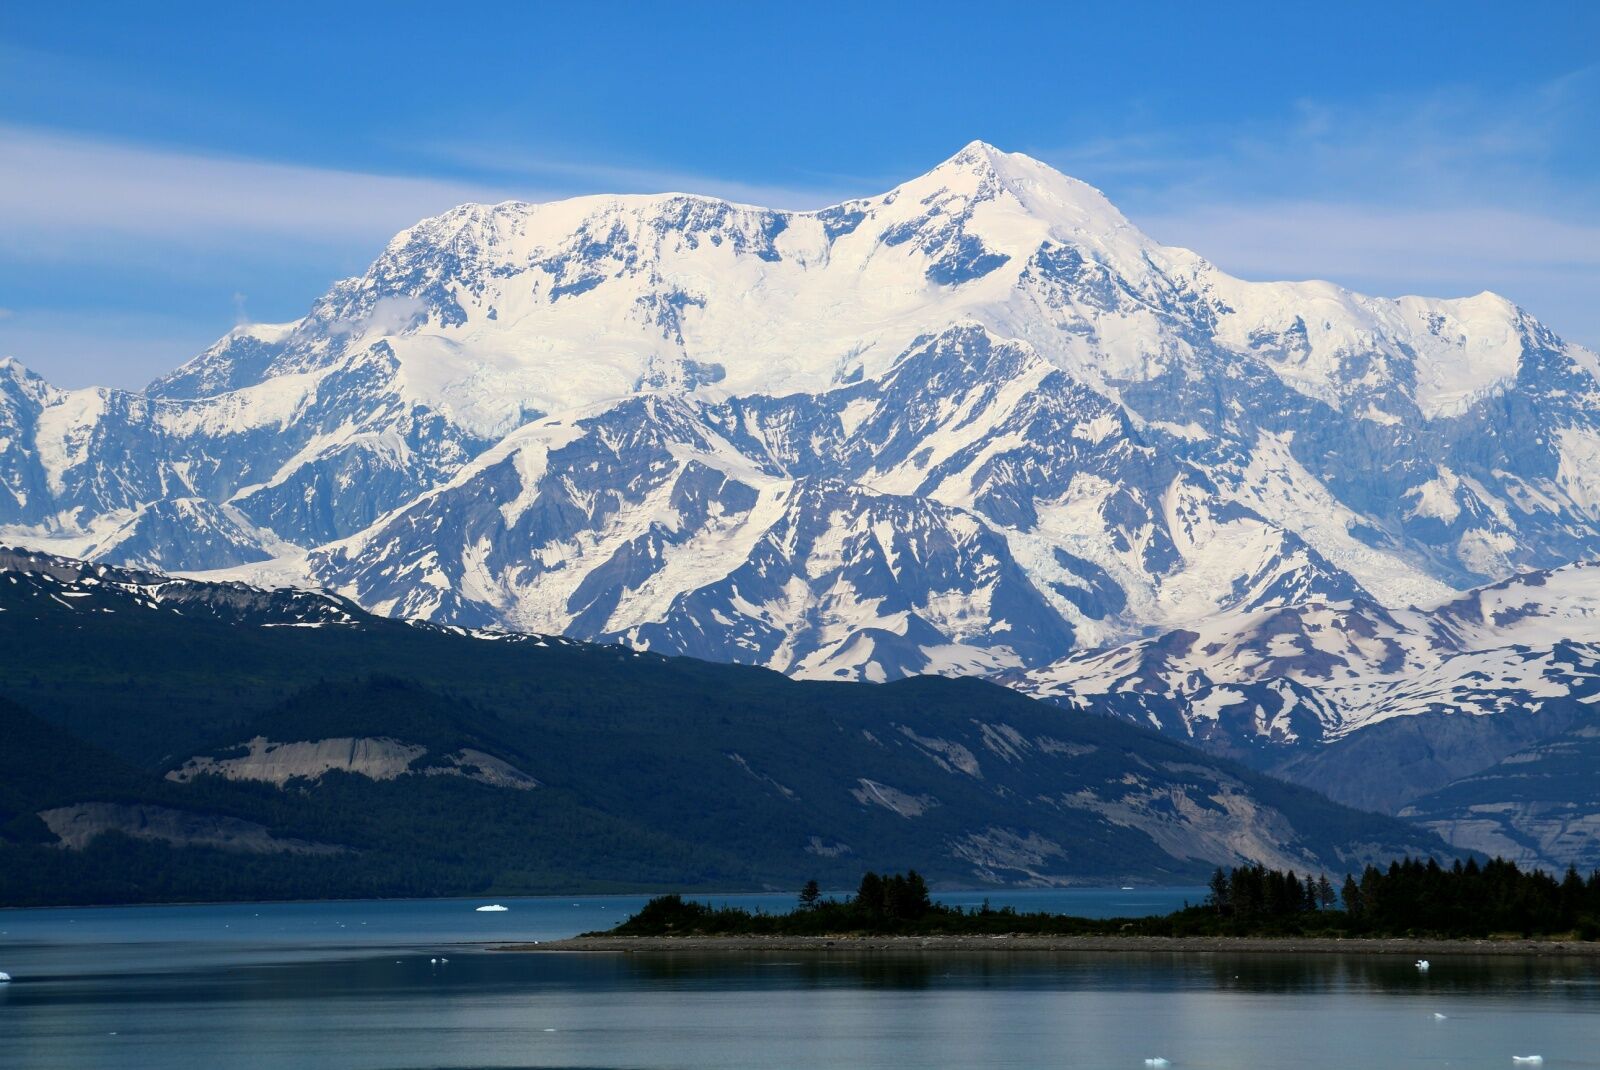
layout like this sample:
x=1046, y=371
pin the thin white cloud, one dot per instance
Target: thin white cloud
x=60, y=191
x=617, y=178
x=55, y=186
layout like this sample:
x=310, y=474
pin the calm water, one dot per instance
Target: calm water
x=350, y=985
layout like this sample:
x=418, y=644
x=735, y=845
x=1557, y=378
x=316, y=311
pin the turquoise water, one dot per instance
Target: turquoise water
x=311, y=985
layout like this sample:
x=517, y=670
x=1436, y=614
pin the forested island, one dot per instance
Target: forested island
x=1412, y=898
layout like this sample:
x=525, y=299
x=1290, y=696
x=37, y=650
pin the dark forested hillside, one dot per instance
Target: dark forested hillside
x=167, y=739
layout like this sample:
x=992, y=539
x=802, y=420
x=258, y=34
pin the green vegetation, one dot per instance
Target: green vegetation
x=1412, y=898
x=654, y=772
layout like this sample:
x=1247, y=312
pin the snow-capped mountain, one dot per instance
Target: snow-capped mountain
x=1386, y=709
x=1316, y=671
x=979, y=423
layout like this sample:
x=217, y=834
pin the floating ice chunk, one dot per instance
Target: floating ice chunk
x=1157, y=1061
x=1422, y=964
x=1528, y=1060
x=4, y=977
x=1439, y=1017
x=492, y=908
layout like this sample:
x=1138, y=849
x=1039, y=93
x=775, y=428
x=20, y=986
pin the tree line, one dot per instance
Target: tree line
x=1415, y=896
x=1412, y=897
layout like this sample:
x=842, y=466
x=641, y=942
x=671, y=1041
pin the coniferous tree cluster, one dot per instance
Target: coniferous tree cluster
x=1414, y=897
x=883, y=903
x=1255, y=892
x=1473, y=900
x=893, y=898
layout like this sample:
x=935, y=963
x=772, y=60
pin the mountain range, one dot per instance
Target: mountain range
x=164, y=738
x=977, y=425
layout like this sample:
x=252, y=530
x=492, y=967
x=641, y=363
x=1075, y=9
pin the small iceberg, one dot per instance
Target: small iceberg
x=4, y=977
x=1157, y=1061
x=492, y=908
x=1528, y=1060
x=1422, y=964
x=1439, y=1017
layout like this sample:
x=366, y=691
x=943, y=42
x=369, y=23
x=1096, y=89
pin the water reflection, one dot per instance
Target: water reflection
x=479, y=972
x=839, y=1009
x=1577, y=976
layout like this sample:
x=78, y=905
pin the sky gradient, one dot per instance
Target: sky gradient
x=169, y=170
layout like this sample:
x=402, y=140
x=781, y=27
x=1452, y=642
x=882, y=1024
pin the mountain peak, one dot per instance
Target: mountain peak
x=985, y=161
x=976, y=153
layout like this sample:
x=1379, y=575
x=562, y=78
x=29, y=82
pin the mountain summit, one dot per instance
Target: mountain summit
x=978, y=423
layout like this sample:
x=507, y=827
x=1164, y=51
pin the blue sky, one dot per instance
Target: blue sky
x=167, y=170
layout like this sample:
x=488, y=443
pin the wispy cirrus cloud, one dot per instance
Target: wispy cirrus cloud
x=594, y=176
x=122, y=260
x=59, y=187
x=1449, y=192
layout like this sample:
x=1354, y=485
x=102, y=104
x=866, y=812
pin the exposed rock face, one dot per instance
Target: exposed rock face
x=1538, y=807
x=1225, y=823
x=373, y=758
x=872, y=793
x=484, y=768
x=77, y=825
x=279, y=763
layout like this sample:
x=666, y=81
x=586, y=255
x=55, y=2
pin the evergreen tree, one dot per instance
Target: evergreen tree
x=1219, y=897
x=811, y=894
x=1572, y=897
x=1326, y=898
x=1351, y=896
x=869, y=895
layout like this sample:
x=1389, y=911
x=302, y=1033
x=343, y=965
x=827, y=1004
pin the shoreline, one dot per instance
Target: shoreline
x=1202, y=945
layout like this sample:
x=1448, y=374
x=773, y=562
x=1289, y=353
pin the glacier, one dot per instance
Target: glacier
x=979, y=424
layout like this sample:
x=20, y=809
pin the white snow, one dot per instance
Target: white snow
x=1437, y=497
x=1579, y=471
x=746, y=301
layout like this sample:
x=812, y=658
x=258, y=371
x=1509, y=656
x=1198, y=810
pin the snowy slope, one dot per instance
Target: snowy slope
x=978, y=423
x=1375, y=707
